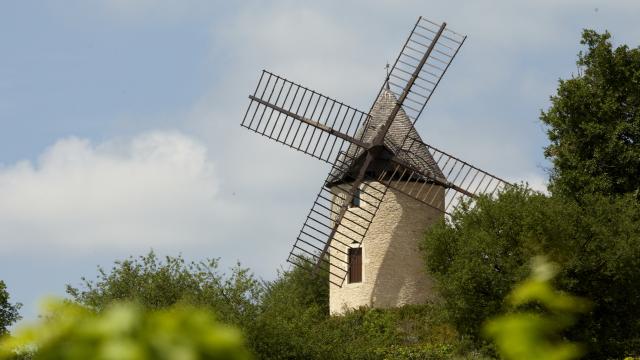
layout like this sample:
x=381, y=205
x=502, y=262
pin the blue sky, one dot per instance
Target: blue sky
x=119, y=119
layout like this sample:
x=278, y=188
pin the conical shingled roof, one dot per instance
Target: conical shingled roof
x=412, y=152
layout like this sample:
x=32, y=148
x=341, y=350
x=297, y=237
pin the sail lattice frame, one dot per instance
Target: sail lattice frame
x=303, y=119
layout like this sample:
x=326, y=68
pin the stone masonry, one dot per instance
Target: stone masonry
x=393, y=267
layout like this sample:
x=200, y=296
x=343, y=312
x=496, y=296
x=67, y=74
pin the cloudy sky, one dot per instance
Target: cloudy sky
x=119, y=119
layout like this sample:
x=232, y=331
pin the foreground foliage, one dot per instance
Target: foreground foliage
x=124, y=331
x=533, y=335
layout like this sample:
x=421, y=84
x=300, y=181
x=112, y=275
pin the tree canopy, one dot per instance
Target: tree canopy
x=590, y=224
x=594, y=122
x=9, y=313
x=484, y=251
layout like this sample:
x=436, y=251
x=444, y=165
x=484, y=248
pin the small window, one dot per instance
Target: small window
x=355, y=202
x=355, y=265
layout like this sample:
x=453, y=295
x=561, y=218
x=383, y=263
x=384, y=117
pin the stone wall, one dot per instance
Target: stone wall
x=393, y=266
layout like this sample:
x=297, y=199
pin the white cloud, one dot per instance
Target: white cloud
x=536, y=182
x=154, y=190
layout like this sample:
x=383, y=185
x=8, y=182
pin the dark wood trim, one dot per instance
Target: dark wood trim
x=355, y=265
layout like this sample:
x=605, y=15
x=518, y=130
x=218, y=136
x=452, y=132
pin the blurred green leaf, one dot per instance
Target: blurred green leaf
x=537, y=334
x=125, y=331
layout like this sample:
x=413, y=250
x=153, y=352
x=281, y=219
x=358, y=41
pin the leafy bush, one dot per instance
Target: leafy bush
x=125, y=331
x=423, y=352
x=287, y=318
x=156, y=283
x=294, y=323
x=290, y=309
x=402, y=333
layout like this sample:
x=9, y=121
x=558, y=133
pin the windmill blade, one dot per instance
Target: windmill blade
x=423, y=61
x=451, y=181
x=303, y=119
x=332, y=225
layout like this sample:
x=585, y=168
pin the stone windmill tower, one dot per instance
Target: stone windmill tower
x=385, y=270
x=385, y=186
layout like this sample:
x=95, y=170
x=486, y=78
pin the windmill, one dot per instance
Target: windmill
x=382, y=173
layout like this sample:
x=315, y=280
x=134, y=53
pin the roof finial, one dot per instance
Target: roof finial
x=386, y=82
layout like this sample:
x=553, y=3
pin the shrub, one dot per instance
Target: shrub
x=156, y=283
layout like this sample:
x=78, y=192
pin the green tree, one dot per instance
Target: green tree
x=9, y=313
x=291, y=310
x=594, y=122
x=590, y=225
x=125, y=331
x=156, y=284
x=484, y=251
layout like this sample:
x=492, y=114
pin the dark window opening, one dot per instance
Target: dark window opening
x=355, y=265
x=355, y=201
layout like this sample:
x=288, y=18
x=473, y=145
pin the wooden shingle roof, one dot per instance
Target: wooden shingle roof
x=402, y=140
